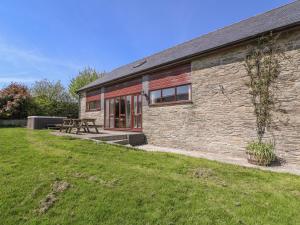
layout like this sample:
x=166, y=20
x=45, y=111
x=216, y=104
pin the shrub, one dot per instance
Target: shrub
x=14, y=101
x=52, y=99
x=263, y=153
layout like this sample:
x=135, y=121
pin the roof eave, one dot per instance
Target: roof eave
x=189, y=57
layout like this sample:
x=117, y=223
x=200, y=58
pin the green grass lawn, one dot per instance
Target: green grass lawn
x=117, y=185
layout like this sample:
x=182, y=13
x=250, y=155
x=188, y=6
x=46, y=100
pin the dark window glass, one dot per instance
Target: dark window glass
x=168, y=95
x=183, y=93
x=117, y=112
x=93, y=105
x=135, y=104
x=111, y=113
x=180, y=93
x=155, y=96
x=106, y=113
x=122, y=105
x=128, y=111
x=122, y=122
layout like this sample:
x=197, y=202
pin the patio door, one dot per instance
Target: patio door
x=124, y=112
x=137, y=111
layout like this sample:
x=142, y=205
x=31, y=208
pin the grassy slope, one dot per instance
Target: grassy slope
x=133, y=187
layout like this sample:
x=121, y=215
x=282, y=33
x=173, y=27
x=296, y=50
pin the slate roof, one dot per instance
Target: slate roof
x=278, y=18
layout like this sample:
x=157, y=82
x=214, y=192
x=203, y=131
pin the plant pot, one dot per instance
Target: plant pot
x=252, y=159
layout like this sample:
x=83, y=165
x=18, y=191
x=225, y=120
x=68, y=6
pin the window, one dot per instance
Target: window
x=183, y=93
x=93, y=106
x=174, y=94
x=168, y=95
x=93, y=100
x=155, y=96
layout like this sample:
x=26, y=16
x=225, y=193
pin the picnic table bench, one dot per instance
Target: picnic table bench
x=86, y=124
x=67, y=125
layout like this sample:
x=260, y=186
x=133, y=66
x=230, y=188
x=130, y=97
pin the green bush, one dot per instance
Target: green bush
x=262, y=152
x=52, y=99
x=14, y=101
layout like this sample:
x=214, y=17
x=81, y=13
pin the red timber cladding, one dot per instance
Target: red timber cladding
x=93, y=95
x=175, y=76
x=124, y=88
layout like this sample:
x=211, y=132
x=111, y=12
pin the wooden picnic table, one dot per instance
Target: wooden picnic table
x=86, y=124
x=67, y=124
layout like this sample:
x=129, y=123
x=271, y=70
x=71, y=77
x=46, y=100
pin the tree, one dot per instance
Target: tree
x=52, y=99
x=14, y=101
x=52, y=91
x=84, y=77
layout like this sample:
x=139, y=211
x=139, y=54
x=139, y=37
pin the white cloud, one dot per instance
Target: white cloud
x=15, y=55
x=26, y=66
x=7, y=80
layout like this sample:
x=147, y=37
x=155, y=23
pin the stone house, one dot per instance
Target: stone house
x=193, y=96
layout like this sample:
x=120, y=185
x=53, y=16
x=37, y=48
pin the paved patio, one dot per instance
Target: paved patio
x=102, y=133
x=284, y=168
x=241, y=161
x=112, y=137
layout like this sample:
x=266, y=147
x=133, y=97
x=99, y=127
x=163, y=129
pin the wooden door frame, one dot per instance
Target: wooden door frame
x=133, y=115
x=131, y=112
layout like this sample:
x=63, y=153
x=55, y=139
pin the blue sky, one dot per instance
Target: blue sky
x=54, y=39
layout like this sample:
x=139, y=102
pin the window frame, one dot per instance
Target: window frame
x=98, y=107
x=132, y=114
x=161, y=103
x=93, y=96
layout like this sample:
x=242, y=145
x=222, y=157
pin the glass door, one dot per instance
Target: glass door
x=128, y=111
x=137, y=111
x=117, y=112
x=112, y=113
x=124, y=112
x=109, y=113
x=122, y=117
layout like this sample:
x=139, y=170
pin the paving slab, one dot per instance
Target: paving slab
x=284, y=168
x=241, y=161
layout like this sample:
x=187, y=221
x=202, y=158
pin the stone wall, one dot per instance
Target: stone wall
x=98, y=115
x=220, y=119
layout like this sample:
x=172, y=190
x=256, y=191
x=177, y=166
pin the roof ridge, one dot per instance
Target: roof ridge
x=203, y=35
x=281, y=17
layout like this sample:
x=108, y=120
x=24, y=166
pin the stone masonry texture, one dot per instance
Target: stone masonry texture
x=220, y=119
x=98, y=115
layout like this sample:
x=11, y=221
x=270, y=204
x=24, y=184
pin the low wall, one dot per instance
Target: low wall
x=42, y=122
x=13, y=123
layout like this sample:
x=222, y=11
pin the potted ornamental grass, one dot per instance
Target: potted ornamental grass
x=259, y=153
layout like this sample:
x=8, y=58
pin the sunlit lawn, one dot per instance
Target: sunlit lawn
x=117, y=185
